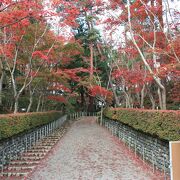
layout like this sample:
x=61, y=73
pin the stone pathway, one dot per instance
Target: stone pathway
x=90, y=152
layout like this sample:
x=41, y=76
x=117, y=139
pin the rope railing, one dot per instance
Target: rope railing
x=12, y=149
x=80, y=114
x=156, y=160
x=17, y=145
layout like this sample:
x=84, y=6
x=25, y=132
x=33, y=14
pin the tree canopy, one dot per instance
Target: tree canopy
x=87, y=54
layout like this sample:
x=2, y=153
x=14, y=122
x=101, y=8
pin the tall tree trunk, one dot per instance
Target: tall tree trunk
x=16, y=93
x=152, y=100
x=154, y=75
x=142, y=97
x=138, y=97
x=91, y=61
x=82, y=98
x=153, y=103
x=1, y=84
x=11, y=106
x=114, y=93
x=163, y=97
x=90, y=105
x=39, y=103
x=16, y=103
x=42, y=104
x=160, y=14
x=30, y=104
x=128, y=104
x=160, y=98
x=30, y=101
x=131, y=101
x=16, y=98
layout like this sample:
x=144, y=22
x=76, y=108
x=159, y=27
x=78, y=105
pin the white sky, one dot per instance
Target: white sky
x=116, y=36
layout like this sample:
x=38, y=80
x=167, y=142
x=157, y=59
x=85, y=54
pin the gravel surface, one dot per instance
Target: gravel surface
x=89, y=152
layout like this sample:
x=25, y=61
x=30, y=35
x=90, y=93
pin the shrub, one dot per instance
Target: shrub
x=162, y=124
x=12, y=124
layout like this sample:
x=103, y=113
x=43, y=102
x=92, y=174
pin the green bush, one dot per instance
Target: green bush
x=12, y=124
x=162, y=124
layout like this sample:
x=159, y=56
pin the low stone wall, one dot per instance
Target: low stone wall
x=151, y=149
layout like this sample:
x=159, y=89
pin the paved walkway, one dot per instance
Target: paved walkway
x=89, y=152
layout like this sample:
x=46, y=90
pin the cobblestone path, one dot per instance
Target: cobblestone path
x=90, y=152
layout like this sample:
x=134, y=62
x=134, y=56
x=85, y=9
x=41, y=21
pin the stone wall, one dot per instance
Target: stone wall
x=150, y=149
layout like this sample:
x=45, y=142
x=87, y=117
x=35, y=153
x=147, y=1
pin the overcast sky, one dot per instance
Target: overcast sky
x=174, y=5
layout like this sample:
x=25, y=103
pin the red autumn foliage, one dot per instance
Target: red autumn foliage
x=101, y=92
x=60, y=87
x=57, y=98
x=71, y=73
x=40, y=55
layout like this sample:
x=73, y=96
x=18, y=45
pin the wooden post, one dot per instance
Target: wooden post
x=175, y=159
